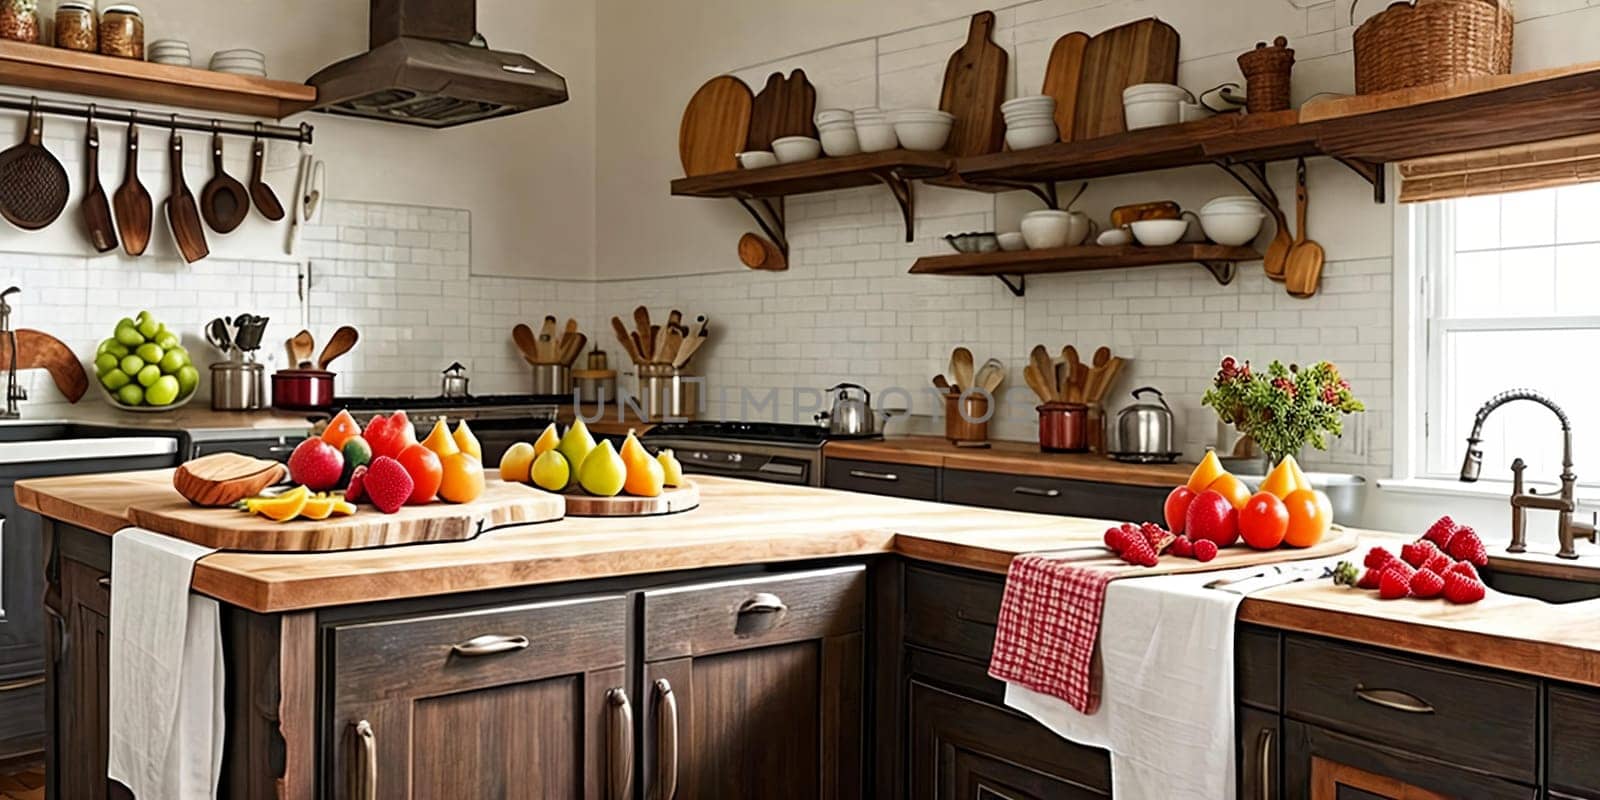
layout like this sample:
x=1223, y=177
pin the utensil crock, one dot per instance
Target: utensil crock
x=1063, y=427
x=966, y=418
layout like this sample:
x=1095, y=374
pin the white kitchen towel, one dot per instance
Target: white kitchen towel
x=166, y=670
x=1166, y=708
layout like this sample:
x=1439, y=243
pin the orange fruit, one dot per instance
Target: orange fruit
x=1263, y=521
x=426, y=473
x=340, y=429
x=1310, y=517
x=440, y=441
x=467, y=441
x=1205, y=473
x=645, y=477
x=1280, y=482
x=461, y=480
x=1232, y=488
x=517, y=463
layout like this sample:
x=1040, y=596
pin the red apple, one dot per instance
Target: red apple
x=1212, y=516
x=1177, y=508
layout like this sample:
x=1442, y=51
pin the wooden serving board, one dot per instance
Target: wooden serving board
x=714, y=126
x=502, y=503
x=1145, y=51
x=974, y=85
x=37, y=349
x=671, y=501
x=1061, y=78
x=784, y=107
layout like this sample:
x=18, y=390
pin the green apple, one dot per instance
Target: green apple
x=115, y=379
x=149, y=328
x=173, y=360
x=150, y=352
x=188, y=378
x=163, y=391
x=131, y=395
x=167, y=340
x=113, y=347
x=149, y=375
x=131, y=364
x=125, y=322
x=105, y=362
x=130, y=336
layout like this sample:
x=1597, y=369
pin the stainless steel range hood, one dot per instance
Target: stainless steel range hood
x=428, y=67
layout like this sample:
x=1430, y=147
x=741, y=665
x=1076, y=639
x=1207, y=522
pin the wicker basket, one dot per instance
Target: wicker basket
x=1432, y=41
x=1266, y=74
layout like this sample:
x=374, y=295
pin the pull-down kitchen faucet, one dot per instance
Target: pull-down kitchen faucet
x=1567, y=528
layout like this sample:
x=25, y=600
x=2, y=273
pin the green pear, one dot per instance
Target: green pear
x=551, y=472
x=603, y=472
x=576, y=444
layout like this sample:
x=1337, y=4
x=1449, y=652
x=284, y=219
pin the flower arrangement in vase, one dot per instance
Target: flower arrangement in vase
x=1284, y=408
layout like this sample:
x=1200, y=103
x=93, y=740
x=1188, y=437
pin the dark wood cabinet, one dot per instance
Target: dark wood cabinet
x=1574, y=739
x=1260, y=757
x=754, y=687
x=1053, y=495
x=871, y=477
x=79, y=604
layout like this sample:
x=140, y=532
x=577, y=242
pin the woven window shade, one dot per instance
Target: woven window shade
x=1562, y=162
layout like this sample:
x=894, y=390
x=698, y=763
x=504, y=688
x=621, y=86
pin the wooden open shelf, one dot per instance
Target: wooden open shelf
x=1219, y=260
x=820, y=175
x=58, y=70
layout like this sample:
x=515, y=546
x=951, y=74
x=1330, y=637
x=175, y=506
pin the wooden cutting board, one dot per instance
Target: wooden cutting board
x=1145, y=51
x=40, y=350
x=671, y=501
x=502, y=503
x=714, y=126
x=974, y=86
x=1061, y=76
x=785, y=107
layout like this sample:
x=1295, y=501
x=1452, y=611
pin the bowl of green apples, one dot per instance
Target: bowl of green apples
x=143, y=367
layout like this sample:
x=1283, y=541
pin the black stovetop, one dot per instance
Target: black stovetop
x=412, y=403
x=763, y=432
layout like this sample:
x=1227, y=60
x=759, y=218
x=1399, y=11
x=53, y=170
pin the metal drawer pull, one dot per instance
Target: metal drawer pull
x=24, y=683
x=620, y=758
x=489, y=644
x=1264, y=764
x=105, y=582
x=1032, y=492
x=874, y=476
x=1395, y=699
x=282, y=448
x=666, y=741
x=364, y=769
x=763, y=603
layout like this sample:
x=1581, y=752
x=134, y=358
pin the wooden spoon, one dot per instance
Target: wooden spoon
x=96, y=208
x=183, y=215
x=266, y=200
x=1072, y=392
x=941, y=383
x=961, y=367
x=1304, y=270
x=300, y=346
x=223, y=202
x=623, y=336
x=1038, y=383
x=991, y=375
x=1102, y=356
x=527, y=345
x=343, y=339
x=641, y=324
x=1276, y=260
x=132, y=202
x=1040, y=359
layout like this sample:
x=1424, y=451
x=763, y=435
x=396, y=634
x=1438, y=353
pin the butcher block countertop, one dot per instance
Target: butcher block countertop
x=1010, y=458
x=742, y=522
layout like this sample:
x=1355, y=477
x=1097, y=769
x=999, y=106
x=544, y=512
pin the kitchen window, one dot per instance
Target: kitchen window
x=1508, y=297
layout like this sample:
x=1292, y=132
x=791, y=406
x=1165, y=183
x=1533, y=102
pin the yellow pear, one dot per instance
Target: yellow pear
x=517, y=463
x=671, y=470
x=576, y=444
x=631, y=448
x=645, y=475
x=1300, y=479
x=1280, y=482
x=602, y=472
x=547, y=440
x=466, y=441
x=439, y=440
x=1206, y=473
x=551, y=471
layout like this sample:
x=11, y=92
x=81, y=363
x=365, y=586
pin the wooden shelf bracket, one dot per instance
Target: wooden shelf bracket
x=900, y=187
x=771, y=222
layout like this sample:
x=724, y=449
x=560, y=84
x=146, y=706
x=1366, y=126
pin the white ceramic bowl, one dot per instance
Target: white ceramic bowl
x=1033, y=103
x=1116, y=237
x=1151, y=91
x=756, y=159
x=1189, y=112
x=827, y=115
x=1045, y=229
x=794, y=149
x=1012, y=241
x=922, y=130
x=1023, y=137
x=840, y=141
x=1159, y=232
x=1231, y=202
x=876, y=136
x=1232, y=229
x=1141, y=114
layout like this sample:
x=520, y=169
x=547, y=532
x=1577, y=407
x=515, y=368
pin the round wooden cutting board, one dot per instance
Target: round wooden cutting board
x=671, y=501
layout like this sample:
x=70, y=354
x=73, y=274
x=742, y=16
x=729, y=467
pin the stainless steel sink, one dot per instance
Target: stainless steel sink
x=1540, y=587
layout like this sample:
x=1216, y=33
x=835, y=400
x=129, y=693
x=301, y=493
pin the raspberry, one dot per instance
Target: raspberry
x=1394, y=583
x=1459, y=588
x=1417, y=553
x=1440, y=563
x=1441, y=532
x=1139, y=552
x=1182, y=546
x=1114, y=539
x=1466, y=546
x=1464, y=568
x=1377, y=558
x=1158, y=537
x=1205, y=550
x=1426, y=583
x=1369, y=579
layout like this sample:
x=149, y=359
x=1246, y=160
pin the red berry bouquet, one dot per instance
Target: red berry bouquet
x=1284, y=408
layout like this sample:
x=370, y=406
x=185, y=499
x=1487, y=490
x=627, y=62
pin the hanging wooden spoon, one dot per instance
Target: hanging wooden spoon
x=1276, y=260
x=340, y=343
x=1304, y=270
x=96, y=208
x=183, y=215
x=265, y=199
x=132, y=201
x=758, y=252
x=224, y=201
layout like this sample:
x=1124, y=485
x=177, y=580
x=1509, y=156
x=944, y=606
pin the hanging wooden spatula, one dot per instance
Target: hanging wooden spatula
x=1303, y=272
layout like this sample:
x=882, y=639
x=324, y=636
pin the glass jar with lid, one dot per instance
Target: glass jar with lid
x=19, y=20
x=121, y=31
x=76, y=26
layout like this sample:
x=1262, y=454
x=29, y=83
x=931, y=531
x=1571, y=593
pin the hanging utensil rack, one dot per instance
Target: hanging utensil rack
x=61, y=108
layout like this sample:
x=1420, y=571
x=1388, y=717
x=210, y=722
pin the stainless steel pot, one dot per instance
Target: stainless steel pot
x=1144, y=430
x=454, y=382
x=237, y=386
x=851, y=414
x=666, y=393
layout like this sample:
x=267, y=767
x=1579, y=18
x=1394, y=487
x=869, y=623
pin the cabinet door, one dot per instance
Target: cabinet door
x=1326, y=765
x=1260, y=749
x=83, y=707
x=871, y=477
x=963, y=749
x=510, y=702
x=754, y=688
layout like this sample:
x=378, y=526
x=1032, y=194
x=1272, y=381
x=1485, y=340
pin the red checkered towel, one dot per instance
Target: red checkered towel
x=1049, y=628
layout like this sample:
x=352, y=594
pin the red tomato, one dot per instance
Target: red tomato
x=1177, y=507
x=426, y=473
x=1263, y=521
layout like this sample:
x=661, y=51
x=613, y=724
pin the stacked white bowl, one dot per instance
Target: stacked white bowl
x=1233, y=220
x=874, y=131
x=922, y=128
x=1030, y=121
x=173, y=52
x=1151, y=105
x=836, y=127
x=242, y=61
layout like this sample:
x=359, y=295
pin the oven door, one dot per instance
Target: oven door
x=796, y=466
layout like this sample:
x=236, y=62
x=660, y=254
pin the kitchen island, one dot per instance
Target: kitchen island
x=664, y=651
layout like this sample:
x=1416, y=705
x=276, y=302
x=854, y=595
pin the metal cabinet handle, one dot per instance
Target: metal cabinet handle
x=1032, y=492
x=874, y=476
x=105, y=582
x=24, y=683
x=1395, y=699
x=364, y=771
x=763, y=603
x=620, y=757
x=282, y=448
x=666, y=741
x=489, y=644
x=1264, y=764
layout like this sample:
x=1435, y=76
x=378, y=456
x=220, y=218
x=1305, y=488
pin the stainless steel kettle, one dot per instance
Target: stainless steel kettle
x=454, y=383
x=1144, y=430
x=852, y=414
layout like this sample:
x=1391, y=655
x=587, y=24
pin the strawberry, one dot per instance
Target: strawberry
x=1441, y=532
x=1440, y=563
x=1417, y=553
x=355, y=492
x=1182, y=546
x=1426, y=583
x=387, y=484
x=1460, y=589
x=1369, y=579
x=1139, y=552
x=1377, y=558
x=1118, y=539
x=1157, y=536
x=1394, y=583
x=1204, y=550
x=1465, y=568
x=1466, y=546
